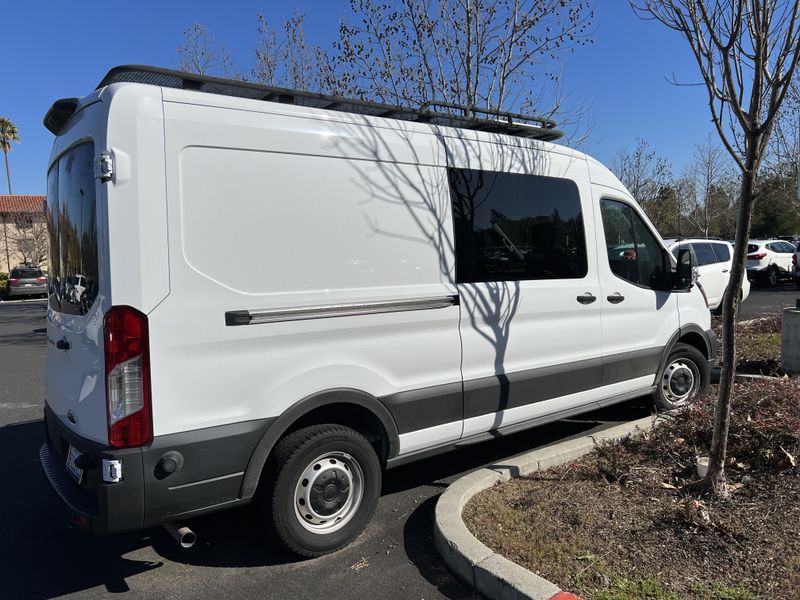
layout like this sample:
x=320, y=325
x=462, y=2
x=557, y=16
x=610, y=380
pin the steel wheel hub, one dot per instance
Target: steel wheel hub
x=328, y=492
x=679, y=381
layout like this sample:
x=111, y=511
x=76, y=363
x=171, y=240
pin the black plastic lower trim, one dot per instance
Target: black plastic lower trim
x=212, y=465
x=427, y=407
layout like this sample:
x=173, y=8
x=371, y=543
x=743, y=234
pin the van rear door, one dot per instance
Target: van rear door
x=74, y=375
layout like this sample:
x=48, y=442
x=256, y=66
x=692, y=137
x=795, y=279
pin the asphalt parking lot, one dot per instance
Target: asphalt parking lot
x=42, y=557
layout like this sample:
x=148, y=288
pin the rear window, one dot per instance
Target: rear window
x=26, y=273
x=722, y=251
x=705, y=254
x=72, y=225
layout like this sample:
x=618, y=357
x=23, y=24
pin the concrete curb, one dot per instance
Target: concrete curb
x=491, y=574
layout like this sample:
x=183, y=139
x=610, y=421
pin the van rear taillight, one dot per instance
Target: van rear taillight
x=127, y=378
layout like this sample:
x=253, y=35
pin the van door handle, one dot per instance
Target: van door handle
x=62, y=345
x=615, y=298
x=586, y=298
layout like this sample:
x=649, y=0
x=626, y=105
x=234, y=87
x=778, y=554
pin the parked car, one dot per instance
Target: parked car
x=714, y=259
x=26, y=281
x=796, y=265
x=390, y=284
x=769, y=261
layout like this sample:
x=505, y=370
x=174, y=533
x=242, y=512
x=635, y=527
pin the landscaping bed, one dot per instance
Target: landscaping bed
x=617, y=525
x=758, y=345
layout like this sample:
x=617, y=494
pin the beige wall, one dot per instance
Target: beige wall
x=13, y=235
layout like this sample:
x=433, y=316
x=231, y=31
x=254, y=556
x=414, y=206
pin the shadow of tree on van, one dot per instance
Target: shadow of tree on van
x=442, y=179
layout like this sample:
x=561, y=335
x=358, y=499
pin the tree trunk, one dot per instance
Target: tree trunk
x=715, y=480
x=8, y=171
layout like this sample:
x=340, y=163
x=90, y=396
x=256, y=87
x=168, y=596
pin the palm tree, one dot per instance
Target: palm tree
x=8, y=133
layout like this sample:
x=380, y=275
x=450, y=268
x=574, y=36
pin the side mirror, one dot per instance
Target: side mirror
x=684, y=276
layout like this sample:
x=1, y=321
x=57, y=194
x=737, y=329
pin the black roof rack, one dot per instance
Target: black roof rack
x=509, y=123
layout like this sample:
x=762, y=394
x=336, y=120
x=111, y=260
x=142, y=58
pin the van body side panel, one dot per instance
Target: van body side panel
x=266, y=214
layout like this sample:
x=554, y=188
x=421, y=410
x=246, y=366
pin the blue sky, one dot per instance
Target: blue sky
x=57, y=49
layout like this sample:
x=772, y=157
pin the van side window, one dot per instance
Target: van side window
x=633, y=252
x=511, y=227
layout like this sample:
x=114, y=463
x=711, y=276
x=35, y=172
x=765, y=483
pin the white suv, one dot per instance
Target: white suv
x=769, y=261
x=714, y=259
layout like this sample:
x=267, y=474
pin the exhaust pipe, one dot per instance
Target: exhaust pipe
x=182, y=534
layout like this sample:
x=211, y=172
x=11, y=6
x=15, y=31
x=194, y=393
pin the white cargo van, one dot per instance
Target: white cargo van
x=286, y=293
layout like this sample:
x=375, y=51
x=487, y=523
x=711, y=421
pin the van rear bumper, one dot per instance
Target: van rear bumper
x=213, y=464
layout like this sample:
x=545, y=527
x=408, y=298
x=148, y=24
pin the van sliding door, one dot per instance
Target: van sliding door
x=530, y=321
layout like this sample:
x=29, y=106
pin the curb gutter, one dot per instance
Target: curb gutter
x=491, y=574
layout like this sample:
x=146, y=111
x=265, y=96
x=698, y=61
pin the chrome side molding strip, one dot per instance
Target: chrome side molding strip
x=278, y=315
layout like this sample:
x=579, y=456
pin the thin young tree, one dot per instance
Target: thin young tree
x=707, y=191
x=646, y=175
x=747, y=53
x=198, y=54
x=285, y=58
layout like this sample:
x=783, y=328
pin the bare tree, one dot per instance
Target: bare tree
x=646, y=176
x=501, y=54
x=707, y=196
x=784, y=147
x=284, y=58
x=198, y=54
x=31, y=242
x=747, y=53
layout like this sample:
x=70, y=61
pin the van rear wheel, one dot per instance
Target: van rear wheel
x=684, y=378
x=327, y=481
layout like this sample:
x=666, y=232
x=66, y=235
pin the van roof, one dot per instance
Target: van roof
x=496, y=121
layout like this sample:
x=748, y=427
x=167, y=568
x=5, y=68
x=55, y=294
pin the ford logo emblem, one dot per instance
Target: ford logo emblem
x=71, y=416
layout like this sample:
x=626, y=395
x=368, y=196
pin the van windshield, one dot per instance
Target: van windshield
x=72, y=225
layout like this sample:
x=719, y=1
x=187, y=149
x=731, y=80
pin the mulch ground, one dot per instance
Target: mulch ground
x=618, y=525
x=758, y=345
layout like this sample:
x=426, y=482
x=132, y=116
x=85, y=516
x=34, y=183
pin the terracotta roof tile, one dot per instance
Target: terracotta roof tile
x=17, y=203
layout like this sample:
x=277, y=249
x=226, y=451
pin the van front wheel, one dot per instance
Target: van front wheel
x=327, y=481
x=684, y=378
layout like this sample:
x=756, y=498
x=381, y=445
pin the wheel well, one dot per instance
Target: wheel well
x=695, y=339
x=353, y=416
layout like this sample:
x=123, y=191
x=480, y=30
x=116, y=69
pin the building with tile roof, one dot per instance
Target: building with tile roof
x=23, y=231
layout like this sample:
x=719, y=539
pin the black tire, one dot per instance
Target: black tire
x=684, y=377
x=797, y=282
x=773, y=277
x=325, y=482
